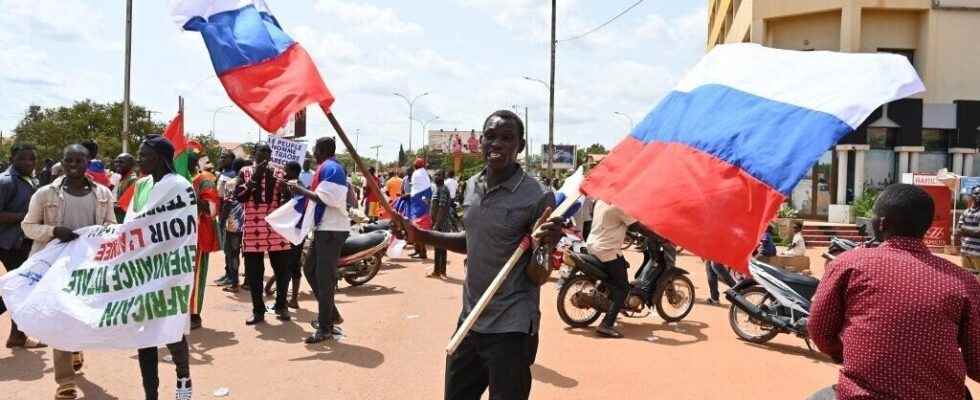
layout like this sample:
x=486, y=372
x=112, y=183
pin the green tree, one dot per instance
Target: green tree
x=51, y=129
x=582, y=154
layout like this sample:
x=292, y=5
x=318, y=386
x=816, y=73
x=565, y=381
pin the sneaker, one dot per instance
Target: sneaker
x=222, y=281
x=183, y=391
x=712, y=302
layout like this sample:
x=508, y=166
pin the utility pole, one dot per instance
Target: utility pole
x=129, y=53
x=551, y=91
x=377, y=157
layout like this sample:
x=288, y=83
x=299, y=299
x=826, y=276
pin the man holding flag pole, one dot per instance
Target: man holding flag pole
x=501, y=347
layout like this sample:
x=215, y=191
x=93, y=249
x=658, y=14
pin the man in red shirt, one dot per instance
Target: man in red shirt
x=904, y=323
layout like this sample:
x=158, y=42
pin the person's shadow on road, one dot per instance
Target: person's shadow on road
x=552, y=377
x=23, y=365
x=368, y=290
x=358, y=356
x=205, y=339
x=643, y=332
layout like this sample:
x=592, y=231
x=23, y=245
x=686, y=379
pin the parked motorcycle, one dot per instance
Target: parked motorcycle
x=361, y=256
x=584, y=295
x=769, y=302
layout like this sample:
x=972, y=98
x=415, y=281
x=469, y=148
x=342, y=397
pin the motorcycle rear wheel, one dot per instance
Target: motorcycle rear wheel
x=372, y=268
x=574, y=316
x=675, y=299
x=747, y=327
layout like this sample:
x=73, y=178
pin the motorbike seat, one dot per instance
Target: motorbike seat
x=790, y=277
x=590, y=265
x=359, y=243
x=376, y=226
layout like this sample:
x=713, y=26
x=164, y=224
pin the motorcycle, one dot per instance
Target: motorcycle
x=362, y=255
x=770, y=301
x=584, y=296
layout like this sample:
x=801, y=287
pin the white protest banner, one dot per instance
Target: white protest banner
x=285, y=150
x=120, y=286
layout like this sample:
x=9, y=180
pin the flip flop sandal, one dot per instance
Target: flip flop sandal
x=68, y=391
x=77, y=360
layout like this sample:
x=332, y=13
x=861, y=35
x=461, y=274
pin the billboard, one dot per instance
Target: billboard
x=564, y=156
x=453, y=142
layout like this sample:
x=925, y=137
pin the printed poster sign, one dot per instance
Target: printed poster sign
x=122, y=286
x=285, y=150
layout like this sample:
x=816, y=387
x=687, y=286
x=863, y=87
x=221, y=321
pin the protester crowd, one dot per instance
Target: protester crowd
x=857, y=317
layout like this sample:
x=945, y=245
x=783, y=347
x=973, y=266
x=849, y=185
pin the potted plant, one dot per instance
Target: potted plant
x=784, y=221
x=862, y=210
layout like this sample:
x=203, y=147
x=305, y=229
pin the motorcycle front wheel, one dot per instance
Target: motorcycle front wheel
x=575, y=316
x=370, y=270
x=675, y=299
x=747, y=327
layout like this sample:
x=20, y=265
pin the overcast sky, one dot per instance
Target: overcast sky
x=469, y=54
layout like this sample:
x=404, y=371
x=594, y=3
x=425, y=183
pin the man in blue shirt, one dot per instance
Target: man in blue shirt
x=17, y=185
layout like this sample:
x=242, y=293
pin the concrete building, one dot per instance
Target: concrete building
x=937, y=129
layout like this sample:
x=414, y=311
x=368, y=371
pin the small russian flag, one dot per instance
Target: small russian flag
x=265, y=72
x=709, y=167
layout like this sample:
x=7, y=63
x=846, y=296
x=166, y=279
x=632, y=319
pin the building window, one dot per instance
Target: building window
x=936, y=139
x=881, y=138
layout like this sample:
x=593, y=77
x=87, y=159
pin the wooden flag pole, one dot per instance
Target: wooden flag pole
x=372, y=184
x=498, y=281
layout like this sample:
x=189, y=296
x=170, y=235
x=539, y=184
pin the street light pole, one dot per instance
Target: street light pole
x=527, y=136
x=126, y=68
x=411, y=114
x=628, y=118
x=215, y=115
x=551, y=91
x=425, y=133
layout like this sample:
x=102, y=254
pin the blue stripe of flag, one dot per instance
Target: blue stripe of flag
x=240, y=38
x=774, y=142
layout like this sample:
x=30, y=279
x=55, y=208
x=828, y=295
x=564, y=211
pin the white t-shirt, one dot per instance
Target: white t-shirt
x=609, y=226
x=452, y=186
x=797, y=247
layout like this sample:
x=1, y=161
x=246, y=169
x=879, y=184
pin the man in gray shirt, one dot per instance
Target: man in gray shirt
x=500, y=349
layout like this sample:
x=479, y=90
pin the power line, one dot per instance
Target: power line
x=603, y=25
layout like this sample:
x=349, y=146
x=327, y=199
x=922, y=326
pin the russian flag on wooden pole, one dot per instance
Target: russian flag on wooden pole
x=266, y=73
x=709, y=167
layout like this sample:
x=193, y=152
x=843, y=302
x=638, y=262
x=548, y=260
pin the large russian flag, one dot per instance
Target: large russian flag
x=709, y=167
x=263, y=70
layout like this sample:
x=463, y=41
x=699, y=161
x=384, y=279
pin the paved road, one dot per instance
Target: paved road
x=397, y=327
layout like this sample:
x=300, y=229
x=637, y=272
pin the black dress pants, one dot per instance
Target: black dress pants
x=500, y=361
x=255, y=271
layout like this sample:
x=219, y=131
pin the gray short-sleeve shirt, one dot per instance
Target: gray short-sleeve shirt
x=496, y=221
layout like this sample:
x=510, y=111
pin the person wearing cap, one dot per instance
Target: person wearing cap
x=156, y=155
x=55, y=211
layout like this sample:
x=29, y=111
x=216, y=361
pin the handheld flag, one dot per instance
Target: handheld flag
x=265, y=72
x=709, y=167
x=294, y=220
x=175, y=134
x=416, y=206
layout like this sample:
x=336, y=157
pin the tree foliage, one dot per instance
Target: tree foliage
x=582, y=154
x=51, y=129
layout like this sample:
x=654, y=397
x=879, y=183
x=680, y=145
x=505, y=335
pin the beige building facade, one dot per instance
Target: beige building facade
x=937, y=129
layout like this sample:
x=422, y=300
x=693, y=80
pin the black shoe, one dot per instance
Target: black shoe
x=222, y=281
x=318, y=337
x=608, y=332
x=712, y=302
x=283, y=315
x=195, y=321
x=256, y=319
